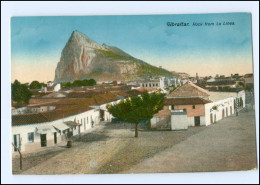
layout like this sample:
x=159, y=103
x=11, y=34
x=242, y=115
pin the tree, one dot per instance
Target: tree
x=20, y=92
x=138, y=108
x=35, y=85
x=66, y=84
x=85, y=82
x=92, y=82
x=43, y=84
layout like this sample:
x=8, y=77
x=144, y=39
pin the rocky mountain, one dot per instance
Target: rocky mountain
x=83, y=58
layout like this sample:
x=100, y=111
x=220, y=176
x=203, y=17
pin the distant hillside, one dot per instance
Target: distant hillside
x=175, y=73
x=83, y=58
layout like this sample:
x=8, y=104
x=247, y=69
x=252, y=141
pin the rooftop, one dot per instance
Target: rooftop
x=148, y=89
x=214, y=89
x=71, y=123
x=185, y=101
x=188, y=90
x=250, y=75
x=64, y=107
x=222, y=82
x=215, y=96
x=120, y=94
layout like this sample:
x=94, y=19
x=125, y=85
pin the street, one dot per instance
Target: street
x=227, y=145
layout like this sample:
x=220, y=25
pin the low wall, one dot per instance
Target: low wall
x=179, y=120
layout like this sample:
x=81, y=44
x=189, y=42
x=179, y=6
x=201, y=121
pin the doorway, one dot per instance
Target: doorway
x=55, y=137
x=226, y=112
x=197, y=120
x=102, y=113
x=79, y=129
x=17, y=142
x=223, y=114
x=43, y=140
x=234, y=106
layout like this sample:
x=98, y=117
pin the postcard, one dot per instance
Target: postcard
x=132, y=94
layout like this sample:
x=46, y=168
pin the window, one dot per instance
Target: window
x=31, y=137
x=172, y=107
x=193, y=107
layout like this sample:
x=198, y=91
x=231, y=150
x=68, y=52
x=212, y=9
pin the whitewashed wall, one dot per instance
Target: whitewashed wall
x=155, y=120
x=222, y=105
x=23, y=130
x=179, y=122
x=203, y=120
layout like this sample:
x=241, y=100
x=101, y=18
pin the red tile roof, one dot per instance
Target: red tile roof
x=148, y=89
x=189, y=90
x=120, y=93
x=64, y=108
x=28, y=119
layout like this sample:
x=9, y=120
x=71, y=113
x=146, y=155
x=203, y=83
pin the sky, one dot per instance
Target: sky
x=37, y=42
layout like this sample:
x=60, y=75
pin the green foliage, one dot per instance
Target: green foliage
x=241, y=84
x=35, y=85
x=215, y=107
x=43, y=84
x=111, y=54
x=226, y=87
x=138, y=108
x=148, y=70
x=20, y=92
x=144, y=69
x=84, y=82
x=66, y=84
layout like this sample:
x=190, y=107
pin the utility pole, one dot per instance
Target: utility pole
x=21, y=162
x=237, y=105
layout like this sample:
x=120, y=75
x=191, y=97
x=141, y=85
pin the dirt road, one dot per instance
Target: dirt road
x=227, y=145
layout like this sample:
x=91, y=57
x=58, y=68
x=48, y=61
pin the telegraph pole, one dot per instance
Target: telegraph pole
x=237, y=105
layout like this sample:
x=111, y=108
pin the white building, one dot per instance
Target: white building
x=161, y=82
x=31, y=131
x=50, y=83
x=57, y=87
x=211, y=80
x=223, y=104
x=51, y=87
x=190, y=105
